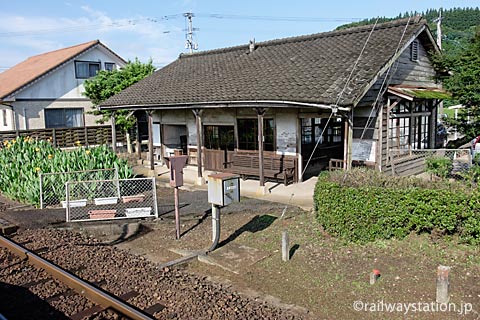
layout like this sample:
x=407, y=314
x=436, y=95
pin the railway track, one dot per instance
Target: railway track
x=100, y=299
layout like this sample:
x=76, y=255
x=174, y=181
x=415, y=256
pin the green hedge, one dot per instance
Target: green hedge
x=364, y=205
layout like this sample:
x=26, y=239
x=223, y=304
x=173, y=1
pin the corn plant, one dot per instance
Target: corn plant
x=23, y=159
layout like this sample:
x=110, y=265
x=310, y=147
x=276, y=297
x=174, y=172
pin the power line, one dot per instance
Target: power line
x=274, y=18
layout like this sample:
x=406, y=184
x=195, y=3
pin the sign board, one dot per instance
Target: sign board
x=363, y=149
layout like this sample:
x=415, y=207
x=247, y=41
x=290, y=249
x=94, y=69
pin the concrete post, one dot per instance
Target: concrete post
x=114, y=133
x=285, y=246
x=442, y=284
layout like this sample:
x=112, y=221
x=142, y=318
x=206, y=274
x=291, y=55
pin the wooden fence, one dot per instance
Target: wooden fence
x=67, y=137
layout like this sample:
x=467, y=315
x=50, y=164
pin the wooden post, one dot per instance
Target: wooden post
x=114, y=133
x=442, y=284
x=285, y=246
x=198, y=123
x=349, y=139
x=138, y=142
x=150, y=140
x=54, y=137
x=260, y=114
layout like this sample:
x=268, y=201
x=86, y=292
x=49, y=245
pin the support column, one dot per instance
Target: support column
x=150, y=140
x=138, y=142
x=114, y=132
x=349, y=142
x=260, y=113
x=198, y=122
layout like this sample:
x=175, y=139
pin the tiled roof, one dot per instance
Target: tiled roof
x=306, y=69
x=34, y=67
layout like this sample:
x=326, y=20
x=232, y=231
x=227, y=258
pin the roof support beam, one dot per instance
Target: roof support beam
x=198, y=122
x=260, y=113
x=150, y=139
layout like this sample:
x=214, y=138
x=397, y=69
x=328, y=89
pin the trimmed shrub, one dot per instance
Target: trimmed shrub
x=364, y=205
x=23, y=159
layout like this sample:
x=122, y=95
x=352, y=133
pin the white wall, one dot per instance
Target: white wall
x=58, y=89
x=61, y=83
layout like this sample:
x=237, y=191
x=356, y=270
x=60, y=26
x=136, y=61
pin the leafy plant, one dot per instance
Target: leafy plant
x=439, y=166
x=23, y=159
x=365, y=205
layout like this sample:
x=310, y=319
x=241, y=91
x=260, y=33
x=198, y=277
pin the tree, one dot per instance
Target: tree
x=107, y=83
x=463, y=82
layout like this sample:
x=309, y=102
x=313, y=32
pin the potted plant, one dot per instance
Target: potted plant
x=74, y=203
x=107, y=200
x=138, y=212
x=102, y=214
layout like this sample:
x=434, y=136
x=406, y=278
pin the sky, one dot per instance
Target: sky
x=156, y=29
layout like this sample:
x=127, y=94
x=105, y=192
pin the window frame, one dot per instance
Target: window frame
x=64, y=123
x=97, y=63
x=269, y=138
x=112, y=64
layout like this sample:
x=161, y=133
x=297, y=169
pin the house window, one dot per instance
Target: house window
x=219, y=137
x=64, y=118
x=4, y=115
x=110, y=66
x=409, y=126
x=86, y=69
x=313, y=131
x=414, y=50
x=248, y=134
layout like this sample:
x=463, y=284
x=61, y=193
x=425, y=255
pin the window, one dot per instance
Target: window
x=219, y=137
x=86, y=69
x=409, y=126
x=4, y=115
x=414, y=50
x=63, y=118
x=312, y=129
x=247, y=134
x=110, y=66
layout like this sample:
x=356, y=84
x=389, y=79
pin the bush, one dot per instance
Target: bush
x=365, y=205
x=439, y=166
x=23, y=159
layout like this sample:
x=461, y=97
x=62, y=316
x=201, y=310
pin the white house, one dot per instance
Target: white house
x=46, y=91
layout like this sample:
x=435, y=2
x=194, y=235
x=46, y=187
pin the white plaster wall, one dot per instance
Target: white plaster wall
x=62, y=83
x=286, y=122
x=36, y=116
x=6, y=116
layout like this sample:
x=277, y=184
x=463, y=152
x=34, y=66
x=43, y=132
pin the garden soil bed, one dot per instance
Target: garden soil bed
x=324, y=277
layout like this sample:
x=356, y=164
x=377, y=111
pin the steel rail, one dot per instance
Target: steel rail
x=84, y=288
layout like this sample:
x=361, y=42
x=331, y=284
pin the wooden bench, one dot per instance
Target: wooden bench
x=274, y=167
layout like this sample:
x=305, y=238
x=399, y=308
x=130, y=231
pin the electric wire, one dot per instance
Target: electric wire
x=340, y=95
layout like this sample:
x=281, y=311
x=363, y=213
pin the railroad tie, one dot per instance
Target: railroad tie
x=98, y=308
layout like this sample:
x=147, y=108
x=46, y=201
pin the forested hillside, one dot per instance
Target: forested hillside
x=458, y=25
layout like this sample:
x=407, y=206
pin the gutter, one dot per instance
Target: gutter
x=214, y=104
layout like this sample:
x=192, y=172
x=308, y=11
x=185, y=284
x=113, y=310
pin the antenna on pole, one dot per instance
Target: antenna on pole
x=439, y=29
x=189, y=44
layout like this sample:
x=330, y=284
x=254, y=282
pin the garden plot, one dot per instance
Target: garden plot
x=110, y=199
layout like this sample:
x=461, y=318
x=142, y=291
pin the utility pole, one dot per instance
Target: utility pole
x=190, y=44
x=439, y=29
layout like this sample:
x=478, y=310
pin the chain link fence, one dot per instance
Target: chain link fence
x=52, y=184
x=110, y=199
x=441, y=163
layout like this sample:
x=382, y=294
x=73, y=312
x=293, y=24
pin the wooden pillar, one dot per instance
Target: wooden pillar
x=198, y=123
x=150, y=140
x=138, y=142
x=114, y=132
x=260, y=114
x=349, y=141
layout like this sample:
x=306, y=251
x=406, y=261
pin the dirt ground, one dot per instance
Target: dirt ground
x=325, y=278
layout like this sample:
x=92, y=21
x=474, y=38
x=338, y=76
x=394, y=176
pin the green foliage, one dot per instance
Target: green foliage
x=107, y=83
x=439, y=166
x=23, y=159
x=364, y=206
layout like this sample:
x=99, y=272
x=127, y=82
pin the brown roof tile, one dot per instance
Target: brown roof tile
x=310, y=69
